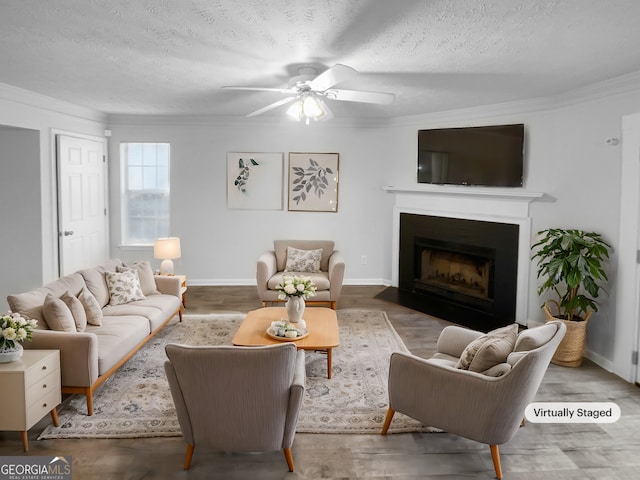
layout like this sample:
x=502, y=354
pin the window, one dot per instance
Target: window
x=145, y=192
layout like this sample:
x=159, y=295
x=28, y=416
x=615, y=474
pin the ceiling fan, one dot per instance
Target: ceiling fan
x=308, y=91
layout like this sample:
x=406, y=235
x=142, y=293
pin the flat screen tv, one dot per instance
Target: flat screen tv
x=489, y=155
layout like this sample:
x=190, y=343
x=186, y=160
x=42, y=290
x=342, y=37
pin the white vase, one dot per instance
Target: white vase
x=10, y=354
x=295, y=309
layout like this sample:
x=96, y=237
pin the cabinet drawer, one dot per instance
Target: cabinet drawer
x=41, y=369
x=43, y=406
x=43, y=386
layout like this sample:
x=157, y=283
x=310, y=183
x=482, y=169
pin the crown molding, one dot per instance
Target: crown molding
x=624, y=84
x=21, y=96
x=237, y=121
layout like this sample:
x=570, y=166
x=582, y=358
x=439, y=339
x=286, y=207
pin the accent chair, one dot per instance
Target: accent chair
x=486, y=405
x=237, y=399
x=316, y=259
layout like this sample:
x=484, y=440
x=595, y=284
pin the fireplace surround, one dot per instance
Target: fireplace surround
x=462, y=270
x=501, y=207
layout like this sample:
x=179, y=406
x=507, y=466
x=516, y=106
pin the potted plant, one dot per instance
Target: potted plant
x=570, y=262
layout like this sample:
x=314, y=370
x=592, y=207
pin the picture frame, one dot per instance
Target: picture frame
x=255, y=180
x=313, y=182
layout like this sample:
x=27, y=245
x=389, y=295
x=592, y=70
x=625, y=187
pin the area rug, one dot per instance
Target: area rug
x=136, y=402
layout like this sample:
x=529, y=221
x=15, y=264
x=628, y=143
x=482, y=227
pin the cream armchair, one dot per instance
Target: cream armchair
x=237, y=399
x=328, y=279
x=478, y=406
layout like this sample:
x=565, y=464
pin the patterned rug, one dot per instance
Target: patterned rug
x=136, y=402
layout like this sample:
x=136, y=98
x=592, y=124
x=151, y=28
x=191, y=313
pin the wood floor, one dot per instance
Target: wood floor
x=538, y=451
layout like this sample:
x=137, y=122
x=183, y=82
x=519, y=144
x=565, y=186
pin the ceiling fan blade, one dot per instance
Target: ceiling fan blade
x=264, y=89
x=332, y=76
x=360, y=96
x=284, y=101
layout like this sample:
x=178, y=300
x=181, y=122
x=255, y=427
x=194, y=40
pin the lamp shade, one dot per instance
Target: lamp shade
x=167, y=249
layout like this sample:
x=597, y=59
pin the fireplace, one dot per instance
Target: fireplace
x=461, y=270
x=464, y=273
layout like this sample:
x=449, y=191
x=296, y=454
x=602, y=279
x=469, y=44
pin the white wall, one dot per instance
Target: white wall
x=20, y=209
x=221, y=245
x=44, y=115
x=567, y=158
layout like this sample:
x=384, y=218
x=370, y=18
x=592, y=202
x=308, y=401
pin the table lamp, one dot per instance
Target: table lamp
x=167, y=249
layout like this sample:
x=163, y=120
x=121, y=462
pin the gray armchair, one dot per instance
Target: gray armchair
x=328, y=280
x=478, y=406
x=237, y=399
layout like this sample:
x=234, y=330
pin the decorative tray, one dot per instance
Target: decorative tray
x=285, y=331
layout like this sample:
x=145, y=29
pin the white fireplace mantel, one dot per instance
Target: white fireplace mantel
x=504, y=205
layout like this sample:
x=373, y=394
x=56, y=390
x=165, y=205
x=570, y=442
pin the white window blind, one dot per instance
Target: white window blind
x=145, y=192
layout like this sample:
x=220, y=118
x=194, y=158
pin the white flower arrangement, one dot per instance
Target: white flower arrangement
x=295, y=286
x=15, y=328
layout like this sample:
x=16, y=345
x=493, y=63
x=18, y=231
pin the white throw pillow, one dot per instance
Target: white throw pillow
x=124, y=287
x=91, y=307
x=304, y=261
x=145, y=275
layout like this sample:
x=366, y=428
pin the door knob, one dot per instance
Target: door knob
x=68, y=233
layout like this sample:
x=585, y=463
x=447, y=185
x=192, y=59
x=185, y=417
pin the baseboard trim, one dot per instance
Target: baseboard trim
x=235, y=282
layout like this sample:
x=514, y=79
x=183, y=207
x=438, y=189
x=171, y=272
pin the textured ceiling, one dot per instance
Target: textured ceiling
x=172, y=56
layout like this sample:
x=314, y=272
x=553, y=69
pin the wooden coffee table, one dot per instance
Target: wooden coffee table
x=322, y=324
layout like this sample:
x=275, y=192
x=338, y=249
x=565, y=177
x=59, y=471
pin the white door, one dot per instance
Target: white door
x=627, y=331
x=82, y=213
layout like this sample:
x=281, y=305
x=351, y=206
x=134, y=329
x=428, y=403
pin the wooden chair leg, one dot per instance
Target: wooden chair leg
x=495, y=456
x=289, y=457
x=264, y=304
x=387, y=421
x=89, y=394
x=334, y=305
x=188, y=456
x=54, y=416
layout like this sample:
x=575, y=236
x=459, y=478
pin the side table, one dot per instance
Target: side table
x=31, y=387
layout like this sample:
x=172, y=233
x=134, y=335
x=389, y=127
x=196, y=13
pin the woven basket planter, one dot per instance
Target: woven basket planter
x=571, y=348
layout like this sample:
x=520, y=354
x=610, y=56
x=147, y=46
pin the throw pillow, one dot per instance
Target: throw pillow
x=91, y=307
x=57, y=315
x=489, y=350
x=124, y=287
x=145, y=274
x=77, y=310
x=304, y=261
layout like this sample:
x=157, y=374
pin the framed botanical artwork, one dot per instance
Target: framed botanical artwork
x=313, y=182
x=255, y=180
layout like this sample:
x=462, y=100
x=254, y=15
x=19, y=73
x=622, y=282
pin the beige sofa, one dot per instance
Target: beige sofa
x=91, y=354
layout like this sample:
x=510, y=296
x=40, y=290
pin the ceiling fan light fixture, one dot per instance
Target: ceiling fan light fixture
x=309, y=107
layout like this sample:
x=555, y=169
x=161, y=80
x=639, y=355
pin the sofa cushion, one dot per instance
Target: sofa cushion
x=145, y=275
x=91, y=307
x=117, y=337
x=58, y=315
x=96, y=282
x=303, y=261
x=280, y=250
x=124, y=287
x=489, y=349
x=155, y=309
x=30, y=305
x=77, y=310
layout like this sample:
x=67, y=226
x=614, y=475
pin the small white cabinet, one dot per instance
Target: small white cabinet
x=30, y=389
